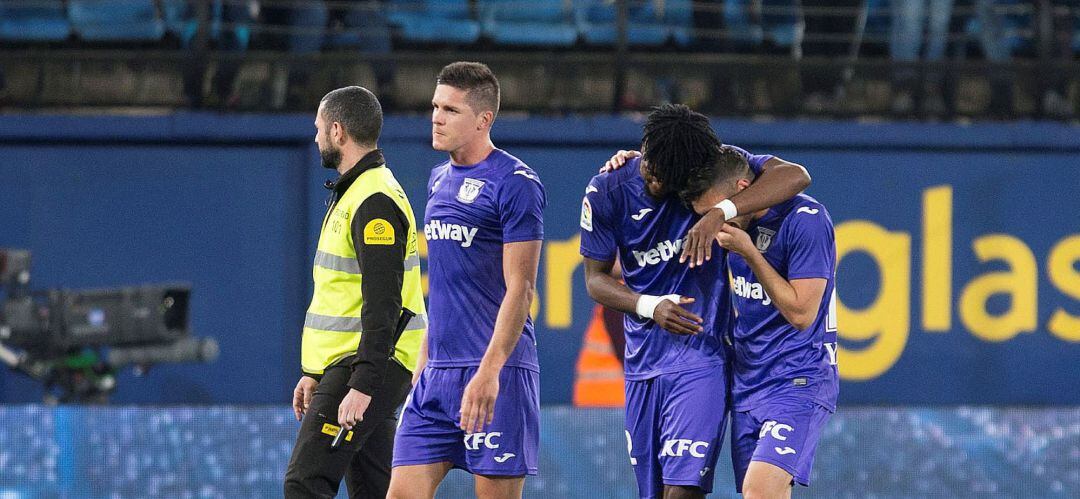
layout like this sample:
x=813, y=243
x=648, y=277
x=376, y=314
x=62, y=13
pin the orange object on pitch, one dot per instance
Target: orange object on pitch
x=598, y=381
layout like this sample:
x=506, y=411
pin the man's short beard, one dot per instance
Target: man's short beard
x=331, y=157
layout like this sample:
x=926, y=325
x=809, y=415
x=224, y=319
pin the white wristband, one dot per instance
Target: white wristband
x=729, y=209
x=647, y=304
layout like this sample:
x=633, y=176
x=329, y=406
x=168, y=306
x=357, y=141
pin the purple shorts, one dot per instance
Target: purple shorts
x=783, y=432
x=675, y=428
x=428, y=431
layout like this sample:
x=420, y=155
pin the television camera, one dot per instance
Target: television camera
x=75, y=341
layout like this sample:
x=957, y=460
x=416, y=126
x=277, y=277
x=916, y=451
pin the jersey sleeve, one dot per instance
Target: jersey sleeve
x=597, y=224
x=756, y=161
x=811, y=243
x=521, y=207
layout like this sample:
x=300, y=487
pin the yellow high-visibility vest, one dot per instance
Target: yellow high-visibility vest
x=332, y=328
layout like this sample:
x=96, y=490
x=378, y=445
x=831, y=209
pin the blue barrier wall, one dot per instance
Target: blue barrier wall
x=232, y=452
x=959, y=278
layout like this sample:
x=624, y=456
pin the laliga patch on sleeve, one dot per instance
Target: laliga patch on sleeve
x=379, y=231
x=586, y=215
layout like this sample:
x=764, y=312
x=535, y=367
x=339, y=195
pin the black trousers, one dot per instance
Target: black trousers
x=315, y=470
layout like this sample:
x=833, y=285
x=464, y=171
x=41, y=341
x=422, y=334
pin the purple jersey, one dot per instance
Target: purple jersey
x=772, y=358
x=620, y=219
x=471, y=212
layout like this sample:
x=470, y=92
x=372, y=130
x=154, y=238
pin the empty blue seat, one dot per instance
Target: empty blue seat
x=33, y=21
x=365, y=27
x=739, y=28
x=1015, y=24
x=645, y=24
x=308, y=24
x=116, y=20
x=434, y=21
x=537, y=22
x=782, y=22
x=679, y=18
x=779, y=23
x=179, y=17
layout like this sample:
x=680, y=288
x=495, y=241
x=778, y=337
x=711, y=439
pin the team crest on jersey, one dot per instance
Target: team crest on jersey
x=764, y=238
x=469, y=190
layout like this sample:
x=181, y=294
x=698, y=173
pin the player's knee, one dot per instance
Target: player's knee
x=682, y=492
x=398, y=490
x=762, y=490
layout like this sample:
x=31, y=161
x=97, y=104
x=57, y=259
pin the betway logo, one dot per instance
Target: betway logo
x=436, y=230
x=677, y=446
x=663, y=252
x=752, y=290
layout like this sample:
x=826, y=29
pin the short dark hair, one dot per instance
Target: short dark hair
x=675, y=142
x=730, y=166
x=358, y=111
x=477, y=80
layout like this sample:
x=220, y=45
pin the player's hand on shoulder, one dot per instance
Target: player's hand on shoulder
x=676, y=319
x=735, y=239
x=698, y=244
x=618, y=160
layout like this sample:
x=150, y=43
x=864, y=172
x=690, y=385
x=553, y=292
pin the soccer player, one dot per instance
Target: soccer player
x=476, y=405
x=675, y=363
x=785, y=376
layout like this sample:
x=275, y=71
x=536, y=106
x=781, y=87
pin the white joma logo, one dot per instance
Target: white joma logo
x=784, y=451
x=503, y=458
x=527, y=175
x=436, y=230
x=664, y=251
x=641, y=214
x=807, y=209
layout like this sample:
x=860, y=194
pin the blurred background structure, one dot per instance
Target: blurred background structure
x=927, y=59
x=171, y=141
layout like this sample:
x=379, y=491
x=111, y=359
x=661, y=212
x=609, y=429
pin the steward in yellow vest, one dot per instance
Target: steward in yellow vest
x=367, y=252
x=363, y=329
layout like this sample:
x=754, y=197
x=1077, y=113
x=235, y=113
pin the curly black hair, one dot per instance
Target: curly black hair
x=677, y=142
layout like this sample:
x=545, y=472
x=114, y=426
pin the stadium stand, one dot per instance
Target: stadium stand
x=547, y=23
x=116, y=20
x=795, y=57
x=435, y=21
x=33, y=21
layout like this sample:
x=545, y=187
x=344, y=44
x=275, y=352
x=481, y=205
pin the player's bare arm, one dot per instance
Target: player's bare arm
x=797, y=300
x=609, y=292
x=779, y=181
x=421, y=359
x=520, y=262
